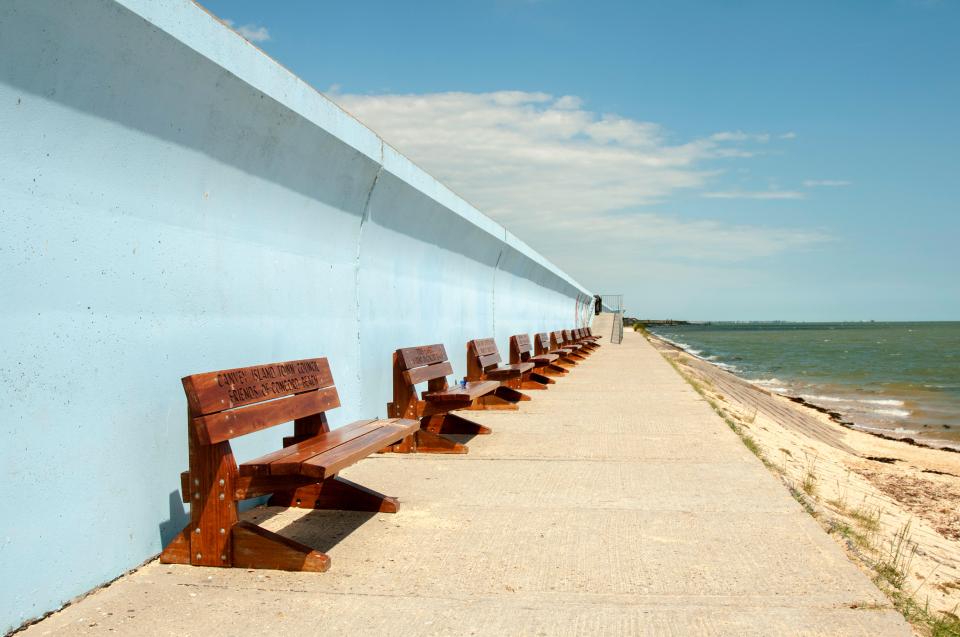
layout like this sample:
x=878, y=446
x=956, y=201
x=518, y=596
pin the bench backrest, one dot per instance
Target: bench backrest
x=482, y=354
x=541, y=343
x=520, y=348
x=424, y=363
x=234, y=402
x=556, y=340
x=568, y=337
x=412, y=366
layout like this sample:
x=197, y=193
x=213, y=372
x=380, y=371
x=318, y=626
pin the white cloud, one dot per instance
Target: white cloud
x=817, y=183
x=789, y=135
x=662, y=236
x=518, y=155
x=251, y=32
x=740, y=136
x=571, y=182
x=756, y=194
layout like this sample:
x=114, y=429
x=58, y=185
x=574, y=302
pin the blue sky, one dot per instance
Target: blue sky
x=709, y=160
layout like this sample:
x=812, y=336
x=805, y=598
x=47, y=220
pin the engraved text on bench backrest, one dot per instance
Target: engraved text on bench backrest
x=424, y=363
x=233, y=402
x=487, y=352
x=523, y=342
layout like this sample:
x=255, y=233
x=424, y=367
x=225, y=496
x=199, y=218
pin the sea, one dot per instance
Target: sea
x=897, y=379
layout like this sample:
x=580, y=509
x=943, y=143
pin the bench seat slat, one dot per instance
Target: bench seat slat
x=472, y=391
x=324, y=455
x=544, y=358
x=515, y=369
x=293, y=464
x=501, y=373
x=226, y=425
x=327, y=464
x=307, y=448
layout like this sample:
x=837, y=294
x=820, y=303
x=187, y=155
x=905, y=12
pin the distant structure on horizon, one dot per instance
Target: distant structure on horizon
x=629, y=322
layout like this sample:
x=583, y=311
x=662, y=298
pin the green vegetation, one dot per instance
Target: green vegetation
x=809, y=484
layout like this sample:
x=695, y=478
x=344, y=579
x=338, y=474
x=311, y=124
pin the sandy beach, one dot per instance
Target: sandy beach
x=894, y=506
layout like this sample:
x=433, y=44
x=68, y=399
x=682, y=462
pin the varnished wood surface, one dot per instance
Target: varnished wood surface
x=323, y=456
x=231, y=403
x=472, y=391
x=226, y=425
x=410, y=357
x=422, y=374
x=225, y=389
x=545, y=358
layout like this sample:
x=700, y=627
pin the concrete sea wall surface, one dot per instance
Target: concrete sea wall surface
x=172, y=201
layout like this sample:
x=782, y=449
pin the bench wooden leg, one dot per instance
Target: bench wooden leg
x=255, y=547
x=536, y=381
x=503, y=397
x=552, y=369
x=511, y=394
x=335, y=493
x=178, y=550
x=423, y=441
x=453, y=424
x=492, y=401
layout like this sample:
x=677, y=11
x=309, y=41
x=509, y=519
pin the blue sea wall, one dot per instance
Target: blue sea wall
x=173, y=201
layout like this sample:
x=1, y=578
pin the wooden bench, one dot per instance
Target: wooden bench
x=559, y=343
x=483, y=363
x=521, y=351
x=231, y=403
x=543, y=345
x=580, y=335
x=585, y=337
x=574, y=336
x=570, y=339
x=429, y=363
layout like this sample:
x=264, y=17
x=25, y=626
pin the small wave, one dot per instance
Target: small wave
x=897, y=413
x=824, y=399
x=769, y=383
x=886, y=430
x=890, y=402
x=886, y=402
x=773, y=384
x=726, y=366
x=682, y=346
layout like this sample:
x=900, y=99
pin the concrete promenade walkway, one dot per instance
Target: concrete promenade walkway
x=616, y=503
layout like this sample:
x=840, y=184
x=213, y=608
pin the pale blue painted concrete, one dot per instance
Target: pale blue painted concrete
x=172, y=201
